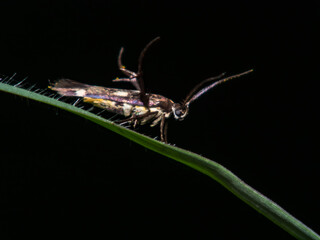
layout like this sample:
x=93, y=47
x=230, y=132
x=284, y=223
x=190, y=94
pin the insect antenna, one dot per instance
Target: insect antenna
x=191, y=93
x=191, y=96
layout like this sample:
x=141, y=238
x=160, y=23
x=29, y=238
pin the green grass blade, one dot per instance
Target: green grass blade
x=214, y=170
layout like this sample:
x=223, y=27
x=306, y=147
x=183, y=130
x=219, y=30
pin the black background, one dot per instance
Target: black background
x=63, y=176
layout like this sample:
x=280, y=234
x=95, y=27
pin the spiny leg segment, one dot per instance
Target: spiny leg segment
x=136, y=79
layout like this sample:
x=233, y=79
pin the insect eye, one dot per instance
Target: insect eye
x=178, y=112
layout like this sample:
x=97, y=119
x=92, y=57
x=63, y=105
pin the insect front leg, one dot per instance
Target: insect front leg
x=138, y=119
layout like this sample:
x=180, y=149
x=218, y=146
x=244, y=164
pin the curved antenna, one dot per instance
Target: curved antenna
x=200, y=85
x=204, y=90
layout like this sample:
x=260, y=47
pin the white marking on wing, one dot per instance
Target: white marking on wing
x=127, y=109
x=121, y=94
x=81, y=93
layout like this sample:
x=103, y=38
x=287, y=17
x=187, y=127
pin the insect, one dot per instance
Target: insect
x=138, y=106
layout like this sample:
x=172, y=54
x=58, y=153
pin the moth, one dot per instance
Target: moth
x=138, y=106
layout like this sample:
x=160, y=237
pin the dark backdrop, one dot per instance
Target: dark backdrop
x=65, y=177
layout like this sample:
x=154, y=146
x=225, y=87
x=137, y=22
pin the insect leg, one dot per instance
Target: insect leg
x=163, y=129
x=132, y=76
x=136, y=119
x=136, y=78
x=144, y=98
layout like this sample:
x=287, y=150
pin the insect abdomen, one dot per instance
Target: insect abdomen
x=125, y=109
x=111, y=106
